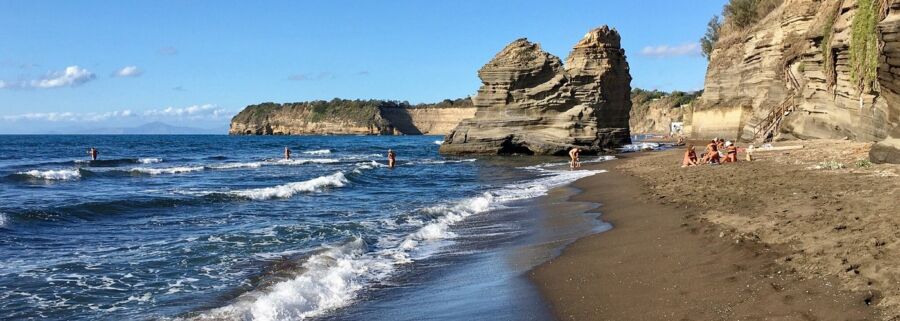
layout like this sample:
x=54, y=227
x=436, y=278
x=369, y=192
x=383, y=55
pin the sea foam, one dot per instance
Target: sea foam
x=166, y=170
x=149, y=160
x=62, y=174
x=287, y=190
x=318, y=152
x=331, y=278
x=3, y=219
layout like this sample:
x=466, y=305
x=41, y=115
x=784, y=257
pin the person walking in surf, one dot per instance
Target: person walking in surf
x=93, y=153
x=574, y=155
x=287, y=153
x=392, y=158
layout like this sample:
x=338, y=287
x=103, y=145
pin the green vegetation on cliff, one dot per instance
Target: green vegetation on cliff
x=640, y=97
x=864, y=44
x=357, y=111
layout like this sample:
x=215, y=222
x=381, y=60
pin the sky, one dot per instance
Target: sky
x=89, y=64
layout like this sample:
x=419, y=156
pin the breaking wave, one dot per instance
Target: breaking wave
x=287, y=190
x=166, y=170
x=62, y=174
x=332, y=277
x=318, y=152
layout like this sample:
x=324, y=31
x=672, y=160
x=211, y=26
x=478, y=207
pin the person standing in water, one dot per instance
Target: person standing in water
x=392, y=158
x=287, y=153
x=574, y=154
x=93, y=153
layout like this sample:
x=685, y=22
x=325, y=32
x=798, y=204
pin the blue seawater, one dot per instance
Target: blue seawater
x=220, y=227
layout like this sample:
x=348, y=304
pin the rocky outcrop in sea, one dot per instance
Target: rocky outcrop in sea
x=532, y=103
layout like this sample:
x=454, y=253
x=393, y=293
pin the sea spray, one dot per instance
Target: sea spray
x=62, y=174
x=318, y=152
x=287, y=190
x=331, y=278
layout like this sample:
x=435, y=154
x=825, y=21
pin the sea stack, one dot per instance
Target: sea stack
x=530, y=103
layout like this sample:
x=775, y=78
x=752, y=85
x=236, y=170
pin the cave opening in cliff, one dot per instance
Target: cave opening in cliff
x=510, y=148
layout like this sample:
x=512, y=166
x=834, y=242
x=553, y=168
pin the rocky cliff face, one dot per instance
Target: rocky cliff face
x=809, y=60
x=368, y=118
x=530, y=103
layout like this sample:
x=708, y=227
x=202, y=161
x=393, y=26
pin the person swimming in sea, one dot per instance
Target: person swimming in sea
x=574, y=158
x=94, y=153
x=287, y=153
x=392, y=158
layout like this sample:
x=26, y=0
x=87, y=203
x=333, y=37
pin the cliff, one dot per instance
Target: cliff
x=653, y=112
x=351, y=117
x=807, y=69
x=530, y=103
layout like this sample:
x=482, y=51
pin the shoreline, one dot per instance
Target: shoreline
x=662, y=261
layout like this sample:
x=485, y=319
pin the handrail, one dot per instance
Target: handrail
x=773, y=121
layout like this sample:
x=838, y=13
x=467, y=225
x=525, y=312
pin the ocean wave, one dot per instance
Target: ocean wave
x=302, y=161
x=439, y=142
x=3, y=219
x=237, y=165
x=290, y=189
x=318, y=152
x=639, y=147
x=443, y=161
x=149, y=160
x=61, y=174
x=332, y=278
x=544, y=166
x=166, y=170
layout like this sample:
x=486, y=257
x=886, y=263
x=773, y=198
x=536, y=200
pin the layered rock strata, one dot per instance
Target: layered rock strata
x=799, y=67
x=530, y=103
x=305, y=119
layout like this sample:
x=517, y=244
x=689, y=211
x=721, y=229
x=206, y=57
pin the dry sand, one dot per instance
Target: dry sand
x=773, y=239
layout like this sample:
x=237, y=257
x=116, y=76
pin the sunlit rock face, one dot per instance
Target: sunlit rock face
x=531, y=103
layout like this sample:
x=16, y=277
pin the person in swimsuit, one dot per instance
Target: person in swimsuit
x=392, y=158
x=712, y=153
x=287, y=153
x=574, y=155
x=93, y=152
x=730, y=153
x=690, y=157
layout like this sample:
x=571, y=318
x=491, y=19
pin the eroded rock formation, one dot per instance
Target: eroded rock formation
x=530, y=103
x=802, y=61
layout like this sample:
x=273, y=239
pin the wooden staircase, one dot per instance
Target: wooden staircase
x=767, y=128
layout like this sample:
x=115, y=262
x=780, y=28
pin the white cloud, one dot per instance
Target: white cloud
x=688, y=49
x=195, y=112
x=128, y=71
x=72, y=76
x=69, y=116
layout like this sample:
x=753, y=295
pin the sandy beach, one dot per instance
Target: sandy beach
x=786, y=237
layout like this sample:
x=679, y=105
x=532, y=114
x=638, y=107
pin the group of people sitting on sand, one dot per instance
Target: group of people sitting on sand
x=717, y=151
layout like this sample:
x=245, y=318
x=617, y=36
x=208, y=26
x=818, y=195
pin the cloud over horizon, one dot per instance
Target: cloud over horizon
x=207, y=112
x=688, y=49
x=70, y=77
x=128, y=71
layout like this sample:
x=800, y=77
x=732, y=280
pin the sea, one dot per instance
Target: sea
x=216, y=227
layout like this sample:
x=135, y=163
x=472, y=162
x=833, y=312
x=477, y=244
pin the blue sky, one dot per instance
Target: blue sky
x=123, y=63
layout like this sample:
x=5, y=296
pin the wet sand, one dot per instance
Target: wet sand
x=667, y=259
